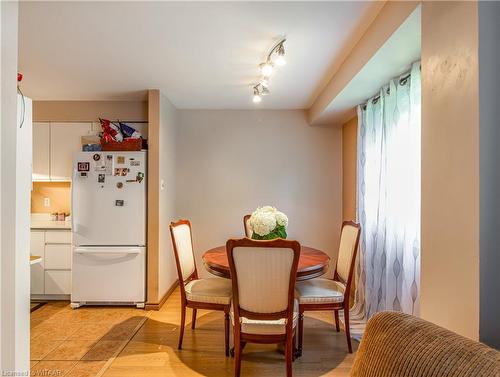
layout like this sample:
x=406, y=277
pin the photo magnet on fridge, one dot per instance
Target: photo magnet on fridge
x=109, y=164
x=83, y=166
x=101, y=178
x=120, y=159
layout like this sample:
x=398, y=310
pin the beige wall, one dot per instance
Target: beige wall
x=168, y=130
x=162, y=274
x=450, y=166
x=230, y=162
x=89, y=111
x=59, y=194
x=349, y=150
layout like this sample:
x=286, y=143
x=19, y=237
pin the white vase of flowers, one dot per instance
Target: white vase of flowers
x=267, y=223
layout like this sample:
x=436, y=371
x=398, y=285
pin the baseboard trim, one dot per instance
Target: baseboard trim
x=157, y=306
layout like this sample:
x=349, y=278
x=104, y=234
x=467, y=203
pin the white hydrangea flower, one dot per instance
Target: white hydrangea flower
x=281, y=218
x=263, y=223
x=265, y=219
x=268, y=209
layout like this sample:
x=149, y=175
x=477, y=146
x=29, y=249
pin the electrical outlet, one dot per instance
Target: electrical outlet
x=46, y=202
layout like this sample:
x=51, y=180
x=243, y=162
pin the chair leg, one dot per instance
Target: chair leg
x=301, y=332
x=226, y=333
x=336, y=315
x=347, y=329
x=237, y=357
x=183, y=322
x=193, y=319
x=289, y=355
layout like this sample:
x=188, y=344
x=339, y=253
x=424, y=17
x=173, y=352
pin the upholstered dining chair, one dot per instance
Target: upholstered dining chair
x=263, y=309
x=248, y=231
x=210, y=293
x=332, y=294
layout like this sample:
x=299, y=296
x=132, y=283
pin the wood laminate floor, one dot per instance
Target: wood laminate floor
x=112, y=342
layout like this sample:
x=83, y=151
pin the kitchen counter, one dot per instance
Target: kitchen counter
x=49, y=224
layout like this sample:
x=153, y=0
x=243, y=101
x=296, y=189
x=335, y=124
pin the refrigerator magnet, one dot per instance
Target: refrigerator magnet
x=139, y=177
x=120, y=159
x=135, y=163
x=83, y=166
x=109, y=164
x=101, y=178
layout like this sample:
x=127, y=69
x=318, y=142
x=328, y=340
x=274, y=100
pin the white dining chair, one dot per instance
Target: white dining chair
x=263, y=309
x=196, y=293
x=323, y=294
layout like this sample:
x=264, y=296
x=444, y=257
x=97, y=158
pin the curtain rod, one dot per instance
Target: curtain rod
x=402, y=81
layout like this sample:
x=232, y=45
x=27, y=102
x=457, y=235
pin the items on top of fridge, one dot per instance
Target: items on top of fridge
x=121, y=137
x=129, y=131
x=111, y=129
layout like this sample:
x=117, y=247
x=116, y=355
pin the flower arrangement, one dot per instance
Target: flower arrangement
x=267, y=223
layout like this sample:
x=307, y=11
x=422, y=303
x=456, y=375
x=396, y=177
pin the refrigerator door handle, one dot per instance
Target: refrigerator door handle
x=73, y=223
x=95, y=252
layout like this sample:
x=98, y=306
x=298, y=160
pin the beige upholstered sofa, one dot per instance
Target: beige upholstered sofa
x=400, y=345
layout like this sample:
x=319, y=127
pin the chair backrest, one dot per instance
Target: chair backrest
x=182, y=243
x=349, y=240
x=263, y=276
x=246, y=225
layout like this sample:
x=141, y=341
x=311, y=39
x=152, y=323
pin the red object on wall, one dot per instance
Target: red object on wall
x=19, y=77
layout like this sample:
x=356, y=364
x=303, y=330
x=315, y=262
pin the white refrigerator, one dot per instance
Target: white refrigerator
x=109, y=228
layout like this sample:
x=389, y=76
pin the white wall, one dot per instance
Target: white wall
x=168, y=125
x=15, y=149
x=230, y=162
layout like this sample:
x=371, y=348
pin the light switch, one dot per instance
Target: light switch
x=46, y=202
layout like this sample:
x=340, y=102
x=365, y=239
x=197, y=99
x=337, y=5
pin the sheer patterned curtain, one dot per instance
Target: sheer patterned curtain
x=388, y=199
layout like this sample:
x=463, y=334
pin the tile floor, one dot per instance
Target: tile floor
x=80, y=342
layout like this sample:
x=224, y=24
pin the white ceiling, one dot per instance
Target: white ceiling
x=201, y=55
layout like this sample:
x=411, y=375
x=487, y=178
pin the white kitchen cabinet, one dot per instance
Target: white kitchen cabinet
x=57, y=236
x=57, y=282
x=53, y=275
x=41, y=151
x=65, y=140
x=57, y=257
x=37, y=269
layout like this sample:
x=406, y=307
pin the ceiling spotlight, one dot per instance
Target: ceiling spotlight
x=266, y=68
x=280, y=58
x=256, y=95
x=264, y=82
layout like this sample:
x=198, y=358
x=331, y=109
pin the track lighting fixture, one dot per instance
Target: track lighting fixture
x=256, y=95
x=266, y=69
x=276, y=57
x=258, y=91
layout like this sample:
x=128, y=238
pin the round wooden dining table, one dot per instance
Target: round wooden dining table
x=312, y=262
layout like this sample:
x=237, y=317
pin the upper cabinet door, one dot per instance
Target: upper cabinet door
x=41, y=151
x=65, y=141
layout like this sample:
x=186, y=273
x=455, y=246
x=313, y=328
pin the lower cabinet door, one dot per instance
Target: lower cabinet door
x=57, y=257
x=37, y=270
x=57, y=282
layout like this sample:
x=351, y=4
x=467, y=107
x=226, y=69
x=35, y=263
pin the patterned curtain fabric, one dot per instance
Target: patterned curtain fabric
x=388, y=200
